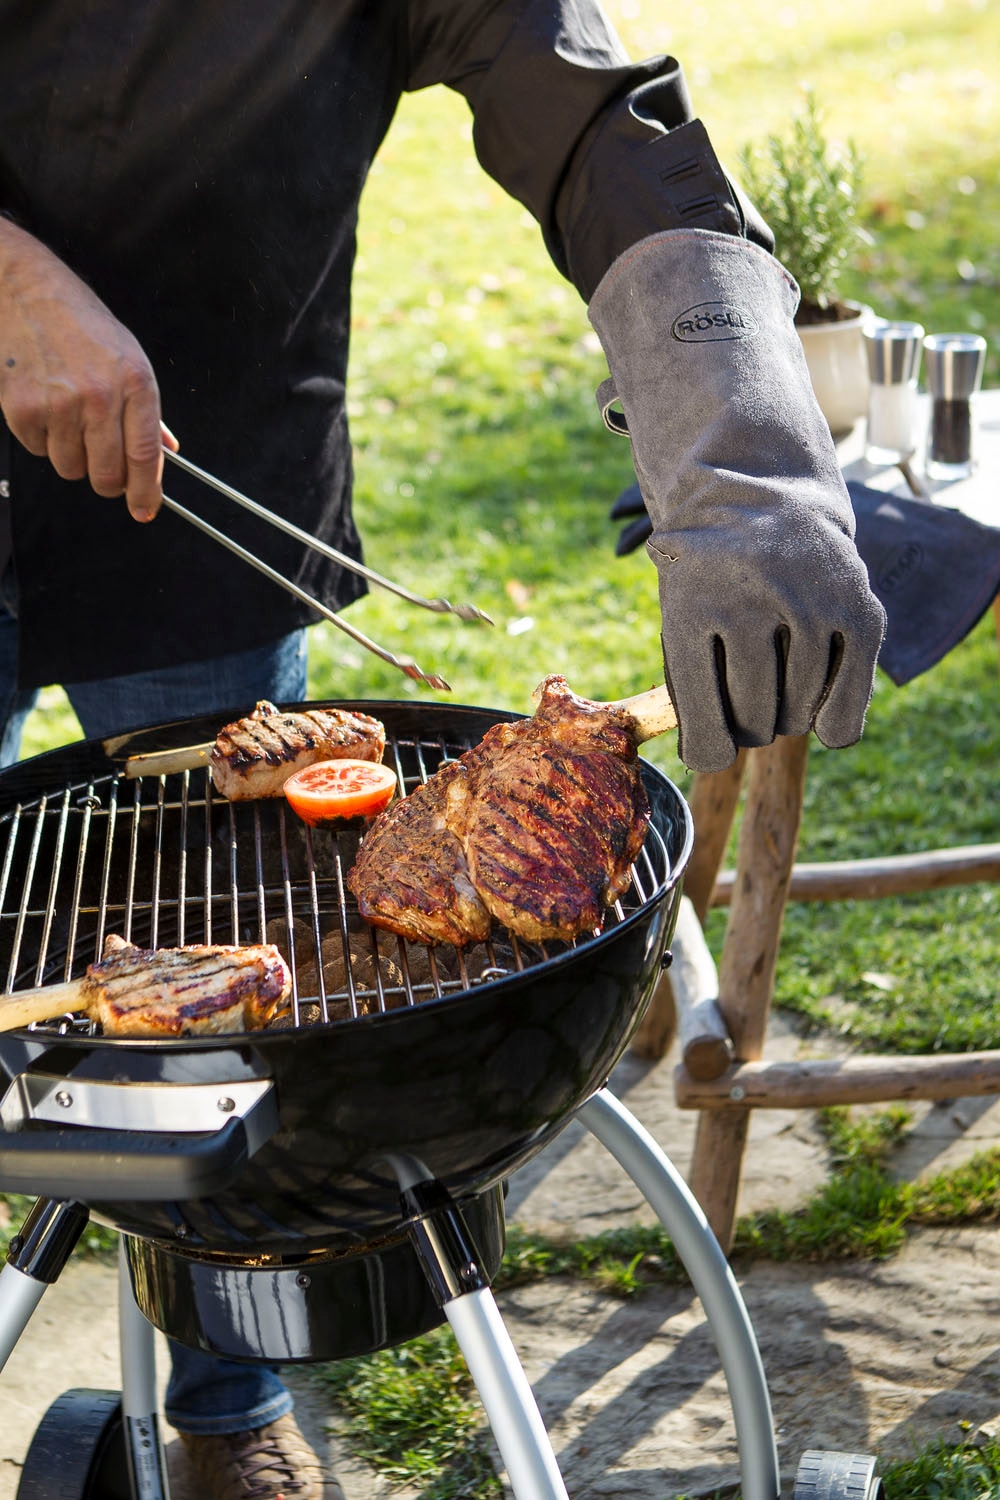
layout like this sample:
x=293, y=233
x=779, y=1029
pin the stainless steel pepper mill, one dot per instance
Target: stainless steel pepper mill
x=953, y=363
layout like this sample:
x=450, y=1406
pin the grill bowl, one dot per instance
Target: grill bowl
x=464, y=1086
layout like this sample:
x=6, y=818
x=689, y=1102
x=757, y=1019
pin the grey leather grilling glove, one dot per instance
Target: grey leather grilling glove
x=769, y=624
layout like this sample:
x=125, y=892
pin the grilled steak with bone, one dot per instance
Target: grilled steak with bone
x=537, y=827
x=412, y=875
x=200, y=990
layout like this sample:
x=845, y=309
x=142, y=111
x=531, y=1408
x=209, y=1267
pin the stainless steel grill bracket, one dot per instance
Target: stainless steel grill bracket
x=170, y=1108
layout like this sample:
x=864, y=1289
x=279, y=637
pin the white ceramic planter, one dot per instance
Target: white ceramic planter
x=838, y=368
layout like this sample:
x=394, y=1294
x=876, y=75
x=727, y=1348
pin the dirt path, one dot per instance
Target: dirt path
x=858, y=1356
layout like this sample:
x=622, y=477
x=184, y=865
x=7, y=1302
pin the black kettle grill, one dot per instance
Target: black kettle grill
x=334, y=1185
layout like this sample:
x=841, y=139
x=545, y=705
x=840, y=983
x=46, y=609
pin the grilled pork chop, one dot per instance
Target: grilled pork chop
x=255, y=756
x=164, y=992
x=541, y=820
x=204, y=990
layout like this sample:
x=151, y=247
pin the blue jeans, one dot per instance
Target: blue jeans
x=204, y=1394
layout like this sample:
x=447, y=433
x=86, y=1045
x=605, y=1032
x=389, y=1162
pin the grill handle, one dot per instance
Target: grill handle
x=141, y=1166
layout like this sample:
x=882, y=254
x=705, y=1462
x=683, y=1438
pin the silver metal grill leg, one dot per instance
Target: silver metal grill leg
x=680, y=1213
x=506, y=1396
x=140, y=1407
x=35, y=1257
x=451, y=1264
x=19, y=1296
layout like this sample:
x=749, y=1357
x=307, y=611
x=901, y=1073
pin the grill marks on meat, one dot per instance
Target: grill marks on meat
x=255, y=756
x=428, y=895
x=550, y=835
x=543, y=819
x=205, y=990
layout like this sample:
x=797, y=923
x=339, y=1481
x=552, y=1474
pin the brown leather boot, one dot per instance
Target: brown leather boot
x=268, y=1463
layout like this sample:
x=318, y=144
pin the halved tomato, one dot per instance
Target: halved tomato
x=333, y=789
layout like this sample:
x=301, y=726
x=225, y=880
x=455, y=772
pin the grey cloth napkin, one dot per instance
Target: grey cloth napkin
x=935, y=571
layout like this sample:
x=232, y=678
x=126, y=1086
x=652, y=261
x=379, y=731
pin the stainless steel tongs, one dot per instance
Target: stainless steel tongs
x=405, y=664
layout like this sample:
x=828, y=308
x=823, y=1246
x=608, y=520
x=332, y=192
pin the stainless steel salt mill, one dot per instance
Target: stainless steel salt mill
x=893, y=350
x=954, y=368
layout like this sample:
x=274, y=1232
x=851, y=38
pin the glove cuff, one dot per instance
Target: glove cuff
x=708, y=368
x=692, y=254
x=711, y=301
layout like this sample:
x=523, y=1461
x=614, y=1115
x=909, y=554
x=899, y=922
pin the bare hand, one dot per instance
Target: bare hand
x=75, y=386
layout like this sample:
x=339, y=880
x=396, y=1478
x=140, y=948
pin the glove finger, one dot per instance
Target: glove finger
x=841, y=716
x=704, y=741
x=829, y=678
x=629, y=503
x=753, y=673
x=811, y=664
x=632, y=536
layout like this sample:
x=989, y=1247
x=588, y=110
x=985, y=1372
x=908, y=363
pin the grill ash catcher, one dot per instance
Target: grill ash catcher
x=334, y=1184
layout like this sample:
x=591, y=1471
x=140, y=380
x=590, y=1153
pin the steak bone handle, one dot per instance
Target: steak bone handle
x=168, y=762
x=41, y=1004
x=651, y=712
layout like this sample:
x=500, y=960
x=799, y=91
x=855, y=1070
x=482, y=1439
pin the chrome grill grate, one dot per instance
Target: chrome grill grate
x=165, y=861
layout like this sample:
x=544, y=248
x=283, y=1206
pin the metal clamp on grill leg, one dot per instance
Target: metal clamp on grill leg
x=47, y=1238
x=446, y=1251
x=35, y=1257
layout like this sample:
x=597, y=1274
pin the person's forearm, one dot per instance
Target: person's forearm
x=635, y=176
x=602, y=150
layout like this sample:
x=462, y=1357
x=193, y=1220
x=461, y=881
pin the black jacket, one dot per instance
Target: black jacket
x=200, y=167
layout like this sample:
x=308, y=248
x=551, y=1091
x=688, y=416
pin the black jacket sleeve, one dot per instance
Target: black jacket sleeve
x=602, y=151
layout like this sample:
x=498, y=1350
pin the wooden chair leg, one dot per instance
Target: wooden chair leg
x=768, y=839
x=713, y=803
x=720, y=1144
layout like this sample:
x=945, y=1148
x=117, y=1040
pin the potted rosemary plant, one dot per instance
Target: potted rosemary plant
x=807, y=190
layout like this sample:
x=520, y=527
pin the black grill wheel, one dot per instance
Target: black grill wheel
x=78, y=1450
